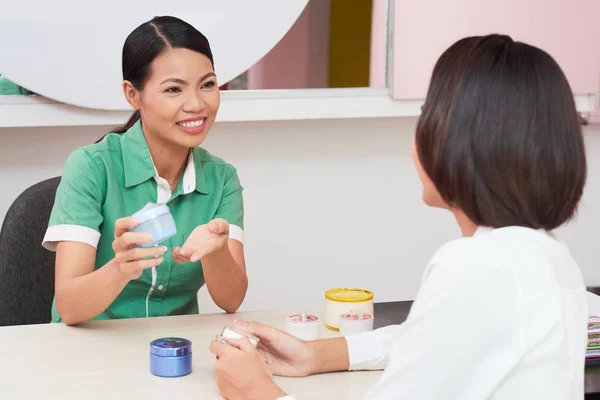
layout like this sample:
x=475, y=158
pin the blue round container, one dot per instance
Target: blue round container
x=171, y=357
x=155, y=219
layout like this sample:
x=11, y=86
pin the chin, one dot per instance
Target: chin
x=427, y=201
x=433, y=201
x=186, y=140
x=196, y=141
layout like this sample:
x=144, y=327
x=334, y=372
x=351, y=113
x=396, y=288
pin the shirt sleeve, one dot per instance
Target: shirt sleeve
x=460, y=338
x=371, y=350
x=231, y=207
x=77, y=211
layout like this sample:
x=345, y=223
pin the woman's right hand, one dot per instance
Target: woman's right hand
x=285, y=354
x=131, y=259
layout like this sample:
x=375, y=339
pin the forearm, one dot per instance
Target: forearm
x=329, y=355
x=266, y=392
x=85, y=297
x=225, y=279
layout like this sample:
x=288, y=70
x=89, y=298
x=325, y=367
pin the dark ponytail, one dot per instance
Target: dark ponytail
x=147, y=42
x=131, y=122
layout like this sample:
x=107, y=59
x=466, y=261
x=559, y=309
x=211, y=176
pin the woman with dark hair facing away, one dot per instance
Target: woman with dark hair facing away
x=101, y=272
x=501, y=312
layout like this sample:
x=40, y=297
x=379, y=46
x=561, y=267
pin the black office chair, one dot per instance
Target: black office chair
x=26, y=268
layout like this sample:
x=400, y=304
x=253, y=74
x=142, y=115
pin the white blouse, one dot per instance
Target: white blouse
x=500, y=315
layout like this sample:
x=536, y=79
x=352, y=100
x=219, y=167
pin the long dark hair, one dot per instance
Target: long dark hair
x=147, y=42
x=500, y=137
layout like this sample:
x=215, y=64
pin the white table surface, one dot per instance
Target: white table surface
x=110, y=360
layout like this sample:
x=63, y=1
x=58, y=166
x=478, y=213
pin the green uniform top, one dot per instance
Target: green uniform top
x=115, y=178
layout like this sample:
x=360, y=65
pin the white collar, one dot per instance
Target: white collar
x=189, y=175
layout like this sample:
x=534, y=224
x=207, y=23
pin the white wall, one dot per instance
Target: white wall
x=328, y=203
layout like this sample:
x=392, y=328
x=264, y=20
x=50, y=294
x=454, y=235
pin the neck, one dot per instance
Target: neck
x=169, y=159
x=467, y=227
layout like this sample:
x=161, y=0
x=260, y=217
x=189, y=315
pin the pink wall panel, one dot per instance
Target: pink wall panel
x=423, y=29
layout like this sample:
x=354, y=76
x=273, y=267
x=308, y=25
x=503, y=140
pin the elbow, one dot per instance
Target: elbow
x=233, y=306
x=68, y=318
x=65, y=311
x=235, y=303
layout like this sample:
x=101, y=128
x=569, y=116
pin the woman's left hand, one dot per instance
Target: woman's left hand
x=242, y=373
x=204, y=240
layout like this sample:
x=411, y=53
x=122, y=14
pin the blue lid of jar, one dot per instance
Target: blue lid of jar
x=151, y=211
x=170, y=347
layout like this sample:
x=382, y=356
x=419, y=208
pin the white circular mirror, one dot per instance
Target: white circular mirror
x=63, y=52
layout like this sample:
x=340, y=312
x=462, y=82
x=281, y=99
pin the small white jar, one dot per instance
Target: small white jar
x=344, y=300
x=303, y=326
x=355, y=322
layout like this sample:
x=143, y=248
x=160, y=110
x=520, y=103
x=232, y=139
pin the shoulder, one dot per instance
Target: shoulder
x=214, y=164
x=208, y=158
x=493, y=244
x=476, y=257
x=472, y=269
x=459, y=255
x=109, y=144
x=93, y=157
x=512, y=250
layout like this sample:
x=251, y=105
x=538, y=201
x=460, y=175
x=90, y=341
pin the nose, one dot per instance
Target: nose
x=194, y=103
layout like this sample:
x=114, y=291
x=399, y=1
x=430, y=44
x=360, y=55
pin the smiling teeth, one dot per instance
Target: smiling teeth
x=194, y=124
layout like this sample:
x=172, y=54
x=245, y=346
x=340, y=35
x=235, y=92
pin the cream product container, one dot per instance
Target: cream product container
x=155, y=219
x=344, y=300
x=229, y=332
x=170, y=357
x=303, y=326
x=355, y=322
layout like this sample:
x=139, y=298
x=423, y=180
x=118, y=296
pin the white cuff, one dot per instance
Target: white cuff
x=235, y=232
x=365, y=351
x=70, y=233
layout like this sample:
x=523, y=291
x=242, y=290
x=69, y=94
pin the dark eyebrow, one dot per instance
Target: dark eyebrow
x=208, y=75
x=176, y=80
x=183, y=82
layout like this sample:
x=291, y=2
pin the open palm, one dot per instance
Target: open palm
x=204, y=240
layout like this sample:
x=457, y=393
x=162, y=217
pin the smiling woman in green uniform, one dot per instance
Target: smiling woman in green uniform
x=101, y=273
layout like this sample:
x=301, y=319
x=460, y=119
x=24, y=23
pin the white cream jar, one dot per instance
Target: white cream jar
x=303, y=326
x=355, y=322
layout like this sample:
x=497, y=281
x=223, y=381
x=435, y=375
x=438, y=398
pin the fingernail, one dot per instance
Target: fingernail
x=162, y=249
x=240, y=322
x=158, y=260
x=148, y=238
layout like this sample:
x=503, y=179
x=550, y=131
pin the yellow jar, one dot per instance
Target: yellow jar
x=344, y=300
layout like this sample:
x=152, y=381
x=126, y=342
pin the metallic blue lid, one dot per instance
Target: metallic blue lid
x=170, y=347
x=151, y=211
